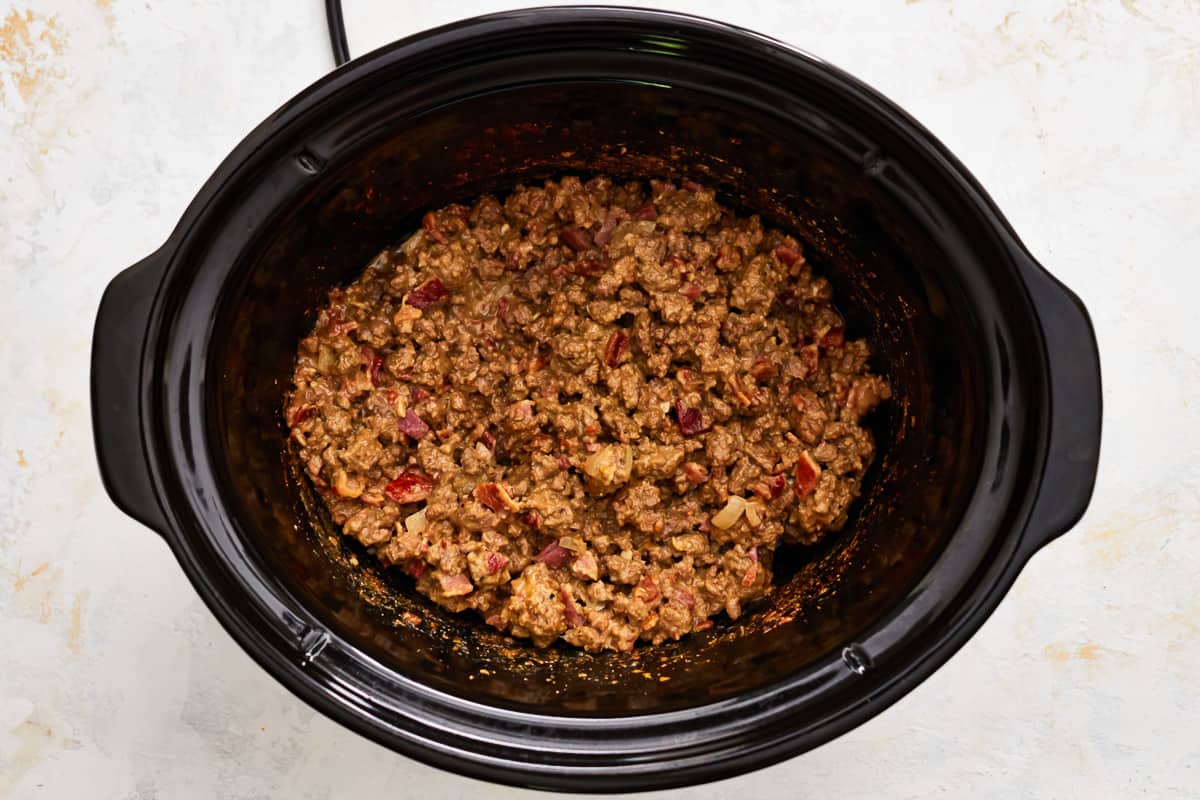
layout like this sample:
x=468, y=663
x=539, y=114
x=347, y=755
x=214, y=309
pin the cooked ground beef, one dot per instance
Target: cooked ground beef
x=588, y=411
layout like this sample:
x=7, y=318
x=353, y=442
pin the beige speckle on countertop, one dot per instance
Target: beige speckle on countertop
x=28, y=43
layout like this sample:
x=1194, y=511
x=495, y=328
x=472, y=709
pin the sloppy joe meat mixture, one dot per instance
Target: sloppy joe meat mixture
x=588, y=411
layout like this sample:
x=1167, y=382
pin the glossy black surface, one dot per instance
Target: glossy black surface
x=988, y=450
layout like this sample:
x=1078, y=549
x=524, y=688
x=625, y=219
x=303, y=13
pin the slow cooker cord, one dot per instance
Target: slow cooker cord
x=337, y=32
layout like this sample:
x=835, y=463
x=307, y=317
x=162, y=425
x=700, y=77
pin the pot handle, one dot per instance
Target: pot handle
x=118, y=345
x=1076, y=406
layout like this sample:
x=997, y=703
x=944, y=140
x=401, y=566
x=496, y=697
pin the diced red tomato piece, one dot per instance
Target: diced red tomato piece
x=807, y=474
x=409, y=487
x=691, y=421
x=576, y=239
x=428, y=293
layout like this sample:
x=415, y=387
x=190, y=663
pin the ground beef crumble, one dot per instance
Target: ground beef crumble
x=590, y=411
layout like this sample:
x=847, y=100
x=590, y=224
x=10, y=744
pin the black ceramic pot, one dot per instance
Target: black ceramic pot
x=987, y=451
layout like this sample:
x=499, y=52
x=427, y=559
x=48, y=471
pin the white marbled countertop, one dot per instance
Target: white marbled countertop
x=1082, y=117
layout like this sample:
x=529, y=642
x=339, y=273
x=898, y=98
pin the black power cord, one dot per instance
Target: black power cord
x=337, y=32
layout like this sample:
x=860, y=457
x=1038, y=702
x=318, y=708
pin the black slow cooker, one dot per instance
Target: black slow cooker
x=988, y=449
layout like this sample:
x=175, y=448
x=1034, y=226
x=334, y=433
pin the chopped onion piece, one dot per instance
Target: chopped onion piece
x=572, y=543
x=609, y=467
x=326, y=360
x=415, y=523
x=345, y=486
x=553, y=556
x=754, y=513
x=729, y=515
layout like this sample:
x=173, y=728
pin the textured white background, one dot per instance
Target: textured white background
x=1083, y=120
